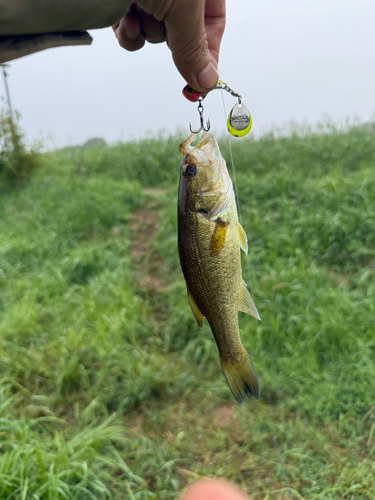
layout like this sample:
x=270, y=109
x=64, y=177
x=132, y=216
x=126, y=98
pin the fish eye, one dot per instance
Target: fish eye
x=191, y=170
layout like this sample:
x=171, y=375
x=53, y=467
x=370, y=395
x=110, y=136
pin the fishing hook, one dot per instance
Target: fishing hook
x=200, y=110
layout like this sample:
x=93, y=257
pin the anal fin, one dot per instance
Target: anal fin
x=242, y=238
x=196, y=312
x=246, y=303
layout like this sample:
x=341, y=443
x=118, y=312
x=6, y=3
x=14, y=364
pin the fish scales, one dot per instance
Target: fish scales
x=213, y=278
x=209, y=241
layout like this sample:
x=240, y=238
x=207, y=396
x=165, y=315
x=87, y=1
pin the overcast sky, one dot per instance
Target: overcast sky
x=298, y=60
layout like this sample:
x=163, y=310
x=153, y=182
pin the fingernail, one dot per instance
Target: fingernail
x=132, y=31
x=208, y=77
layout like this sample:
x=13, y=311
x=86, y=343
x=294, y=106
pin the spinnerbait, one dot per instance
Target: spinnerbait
x=239, y=120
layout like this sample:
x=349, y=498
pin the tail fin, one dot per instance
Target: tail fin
x=241, y=377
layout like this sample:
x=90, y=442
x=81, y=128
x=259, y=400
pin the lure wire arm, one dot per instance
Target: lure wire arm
x=194, y=96
x=224, y=86
x=202, y=127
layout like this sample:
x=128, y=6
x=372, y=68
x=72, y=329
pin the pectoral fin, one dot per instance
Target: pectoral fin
x=218, y=236
x=243, y=238
x=246, y=303
x=196, y=312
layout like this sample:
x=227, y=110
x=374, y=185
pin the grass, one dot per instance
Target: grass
x=107, y=387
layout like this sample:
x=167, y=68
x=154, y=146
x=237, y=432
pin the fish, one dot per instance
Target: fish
x=210, y=239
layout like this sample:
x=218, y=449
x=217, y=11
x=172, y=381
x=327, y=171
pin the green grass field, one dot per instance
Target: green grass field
x=109, y=390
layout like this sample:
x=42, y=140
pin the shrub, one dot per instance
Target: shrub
x=17, y=162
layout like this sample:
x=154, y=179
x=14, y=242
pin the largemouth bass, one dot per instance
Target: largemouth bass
x=209, y=242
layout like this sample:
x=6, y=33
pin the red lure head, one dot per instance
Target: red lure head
x=191, y=94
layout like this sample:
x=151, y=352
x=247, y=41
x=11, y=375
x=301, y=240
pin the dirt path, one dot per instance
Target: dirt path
x=144, y=226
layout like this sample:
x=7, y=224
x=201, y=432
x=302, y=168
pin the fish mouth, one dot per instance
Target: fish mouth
x=206, y=143
x=205, y=153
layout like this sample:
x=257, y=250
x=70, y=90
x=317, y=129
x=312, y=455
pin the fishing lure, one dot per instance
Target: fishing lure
x=239, y=120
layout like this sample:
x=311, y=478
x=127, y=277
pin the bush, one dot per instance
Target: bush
x=17, y=162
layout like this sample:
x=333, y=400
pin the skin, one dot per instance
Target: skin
x=213, y=490
x=193, y=30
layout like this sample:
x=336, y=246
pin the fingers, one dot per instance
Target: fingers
x=154, y=30
x=136, y=27
x=213, y=490
x=129, y=31
x=194, y=31
x=214, y=20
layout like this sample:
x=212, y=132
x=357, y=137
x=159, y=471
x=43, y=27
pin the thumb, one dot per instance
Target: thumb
x=194, y=48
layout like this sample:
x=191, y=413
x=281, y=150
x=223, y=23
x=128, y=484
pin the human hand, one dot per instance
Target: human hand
x=192, y=28
x=213, y=490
